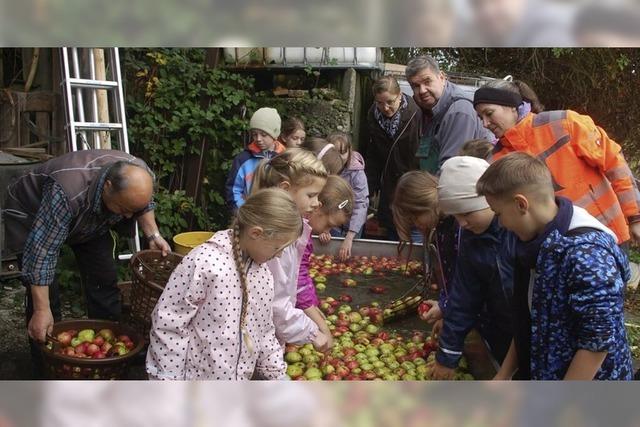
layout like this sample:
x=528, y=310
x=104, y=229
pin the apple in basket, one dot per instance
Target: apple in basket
x=87, y=344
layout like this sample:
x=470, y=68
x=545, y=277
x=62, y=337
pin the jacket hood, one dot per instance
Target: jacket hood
x=253, y=148
x=356, y=162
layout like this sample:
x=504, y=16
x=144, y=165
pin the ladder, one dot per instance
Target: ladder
x=94, y=104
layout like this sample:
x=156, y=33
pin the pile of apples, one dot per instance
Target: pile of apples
x=364, y=351
x=89, y=344
x=327, y=265
x=321, y=266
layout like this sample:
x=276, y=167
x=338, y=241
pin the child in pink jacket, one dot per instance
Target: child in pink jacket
x=303, y=176
x=214, y=320
x=336, y=201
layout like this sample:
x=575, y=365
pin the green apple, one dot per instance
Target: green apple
x=294, y=371
x=313, y=374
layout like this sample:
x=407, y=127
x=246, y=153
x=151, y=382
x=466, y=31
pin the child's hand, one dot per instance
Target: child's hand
x=345, y=250
x=323, y=342
x=436, y=329
x=441, y=372
x=324, y=238
x=433, y=314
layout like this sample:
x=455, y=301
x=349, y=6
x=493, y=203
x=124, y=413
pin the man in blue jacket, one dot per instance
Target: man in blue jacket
x=482, y=285
x=449, y=119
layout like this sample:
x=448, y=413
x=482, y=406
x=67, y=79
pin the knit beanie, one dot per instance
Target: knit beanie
x=267, y=120
x=457, y=185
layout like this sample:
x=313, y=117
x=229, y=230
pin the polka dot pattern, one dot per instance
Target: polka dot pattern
x=195, y=330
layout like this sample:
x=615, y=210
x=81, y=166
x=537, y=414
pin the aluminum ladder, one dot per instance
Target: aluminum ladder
x=94, y=104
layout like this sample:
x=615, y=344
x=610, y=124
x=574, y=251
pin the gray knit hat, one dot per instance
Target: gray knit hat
x=457, y=185
x=267, y=120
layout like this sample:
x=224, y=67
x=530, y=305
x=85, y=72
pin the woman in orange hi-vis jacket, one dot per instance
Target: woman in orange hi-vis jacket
x=587, y=166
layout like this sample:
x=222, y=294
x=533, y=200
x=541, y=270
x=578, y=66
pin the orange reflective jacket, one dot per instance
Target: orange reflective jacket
x=587, y=166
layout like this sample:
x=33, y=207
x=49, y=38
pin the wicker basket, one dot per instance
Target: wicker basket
x=151, y=271
x=58, y=366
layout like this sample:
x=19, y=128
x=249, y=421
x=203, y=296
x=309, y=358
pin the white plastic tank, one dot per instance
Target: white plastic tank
x=301, y=56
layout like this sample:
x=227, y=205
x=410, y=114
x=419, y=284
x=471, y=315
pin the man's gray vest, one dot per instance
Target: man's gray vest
x=78, y=174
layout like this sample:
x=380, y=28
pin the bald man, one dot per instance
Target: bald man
x=77, y=199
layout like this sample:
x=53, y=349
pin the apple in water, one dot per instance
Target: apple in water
x=345, y=298
x=349, y=283
x=294, y=371
x=313, y=374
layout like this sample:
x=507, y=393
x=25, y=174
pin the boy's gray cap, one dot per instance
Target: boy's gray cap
x=457, y=185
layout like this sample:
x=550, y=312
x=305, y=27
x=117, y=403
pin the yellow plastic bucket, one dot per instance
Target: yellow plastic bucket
x=184, y=242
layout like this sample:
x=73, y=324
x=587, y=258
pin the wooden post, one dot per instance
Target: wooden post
x=58, y=113
x=103, y=100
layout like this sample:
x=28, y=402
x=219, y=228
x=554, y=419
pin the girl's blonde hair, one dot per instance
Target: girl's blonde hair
x=416, y=194
x=297, y=166
x=336, y=196
x=276, y=213
x=342, y=142
x=331, y=158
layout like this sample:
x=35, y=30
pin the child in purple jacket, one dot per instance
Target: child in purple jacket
x=336, y=207
x=338, y=158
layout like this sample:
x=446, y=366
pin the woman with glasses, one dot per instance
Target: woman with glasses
x=393, y=122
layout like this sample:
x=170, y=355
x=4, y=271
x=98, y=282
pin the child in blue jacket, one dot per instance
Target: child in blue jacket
x=569, y=279
x=265, y=129
x=482, y=284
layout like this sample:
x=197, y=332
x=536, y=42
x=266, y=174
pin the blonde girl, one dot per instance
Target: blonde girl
x=293, y=132
x=336, y=206
x=338, y=157
x=214, y=320
x=303, y=176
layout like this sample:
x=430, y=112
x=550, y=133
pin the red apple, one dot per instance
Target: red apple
x=352, y=364
x=124, y=338
x=64, y=338
x=383, y=335
x=349, y=351
x=345, y=298
x=378, y=289
x=98, y=355
x=81, y=348
x=342, y=371
x=99, y=341
x=369, y=375
x=91, y=348
x=332, y=377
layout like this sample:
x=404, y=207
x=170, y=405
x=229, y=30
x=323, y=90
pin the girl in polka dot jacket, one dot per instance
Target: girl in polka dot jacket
x=300, y=173
x=214, y=320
